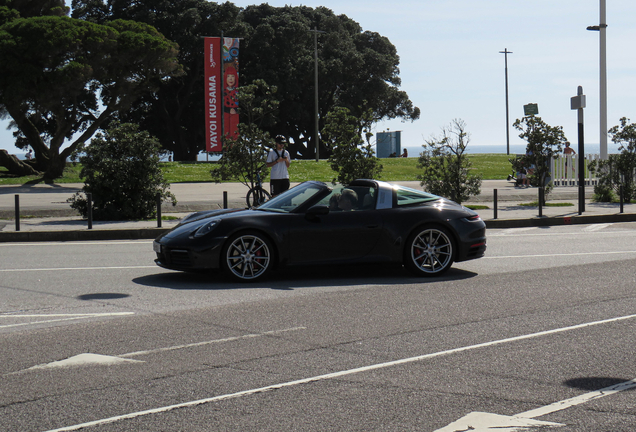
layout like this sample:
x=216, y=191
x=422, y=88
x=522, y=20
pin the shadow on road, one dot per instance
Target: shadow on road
x=594, y=383
x=291, y=278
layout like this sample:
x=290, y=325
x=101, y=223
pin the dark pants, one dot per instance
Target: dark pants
x=278, y=186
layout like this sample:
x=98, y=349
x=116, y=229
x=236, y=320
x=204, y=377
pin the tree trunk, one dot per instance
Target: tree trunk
x=16, y=166
x=55, y=168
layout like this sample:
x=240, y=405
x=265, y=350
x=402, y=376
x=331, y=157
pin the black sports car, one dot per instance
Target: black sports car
x=313, y=223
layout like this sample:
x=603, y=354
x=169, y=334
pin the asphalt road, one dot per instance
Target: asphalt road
x=526, y=334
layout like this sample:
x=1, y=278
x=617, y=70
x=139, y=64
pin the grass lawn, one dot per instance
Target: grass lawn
x=490, y=166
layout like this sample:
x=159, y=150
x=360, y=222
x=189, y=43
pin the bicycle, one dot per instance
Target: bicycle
x=257, y=195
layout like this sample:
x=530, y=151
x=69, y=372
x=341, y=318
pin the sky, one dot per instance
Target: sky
x=451, y=66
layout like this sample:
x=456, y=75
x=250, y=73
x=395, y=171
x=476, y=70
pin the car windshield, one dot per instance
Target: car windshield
x=293, y=198
x=408, y=196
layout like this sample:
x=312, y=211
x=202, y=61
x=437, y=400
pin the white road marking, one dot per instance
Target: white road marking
x=513, y=231
x=484, y=422
x=597, y=227
x=66, y=317
x=577, y=400
x=335, y=375
x=550, y=233
x=75, y=268
x=562, y=254
x=197, y=344
x=84, y=360
x=87, y=359
x=56, y=244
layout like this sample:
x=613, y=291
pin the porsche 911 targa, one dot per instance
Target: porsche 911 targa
x=314, y=223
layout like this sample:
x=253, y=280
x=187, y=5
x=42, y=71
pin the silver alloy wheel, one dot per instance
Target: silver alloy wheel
x=248, y=257
x=432, y=251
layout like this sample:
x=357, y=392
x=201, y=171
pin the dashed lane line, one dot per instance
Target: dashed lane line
x=335, y=375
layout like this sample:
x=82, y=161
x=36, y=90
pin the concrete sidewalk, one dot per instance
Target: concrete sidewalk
x=46, y=216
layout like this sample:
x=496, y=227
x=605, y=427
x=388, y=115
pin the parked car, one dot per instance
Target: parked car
x=313, y=224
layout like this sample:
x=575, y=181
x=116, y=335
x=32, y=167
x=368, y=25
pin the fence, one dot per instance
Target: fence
x=564, y=170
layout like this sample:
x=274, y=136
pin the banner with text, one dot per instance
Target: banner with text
x=230, y=87
x=213, y=96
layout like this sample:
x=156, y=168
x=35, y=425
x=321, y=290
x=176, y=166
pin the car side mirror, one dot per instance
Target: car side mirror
x=316, y=211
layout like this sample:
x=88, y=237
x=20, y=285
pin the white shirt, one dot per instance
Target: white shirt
x=279, y=171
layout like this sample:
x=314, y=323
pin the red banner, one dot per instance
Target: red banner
x=213, y=95
x=230, y=87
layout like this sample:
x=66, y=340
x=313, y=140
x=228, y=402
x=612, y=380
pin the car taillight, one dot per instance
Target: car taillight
x=473, y=218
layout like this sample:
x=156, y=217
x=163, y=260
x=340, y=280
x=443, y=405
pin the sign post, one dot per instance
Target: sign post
x=531, y=109
x=578, y=103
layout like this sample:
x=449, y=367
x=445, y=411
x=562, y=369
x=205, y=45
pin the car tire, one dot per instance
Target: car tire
x=429, y=251
x=248, y=256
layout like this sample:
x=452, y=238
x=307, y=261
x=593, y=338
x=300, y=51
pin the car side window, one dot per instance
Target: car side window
x=350, y=198
x=407, y=196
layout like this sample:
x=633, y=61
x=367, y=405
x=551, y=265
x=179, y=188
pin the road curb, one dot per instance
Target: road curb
x=561, y=220
x=82, y=235
x=152, y=233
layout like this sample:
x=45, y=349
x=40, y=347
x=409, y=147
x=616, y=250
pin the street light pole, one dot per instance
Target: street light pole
x=602, y=29
x=506, y=52
x=316, y=136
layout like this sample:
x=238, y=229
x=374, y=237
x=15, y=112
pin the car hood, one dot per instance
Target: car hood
x=193, y=221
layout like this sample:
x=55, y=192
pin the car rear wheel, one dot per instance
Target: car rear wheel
x=429, y=251
x=248, y=256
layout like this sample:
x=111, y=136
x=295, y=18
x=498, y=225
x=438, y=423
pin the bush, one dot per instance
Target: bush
x=121, y=171
x=619, y=169
x=446, y=169
x=351, y=158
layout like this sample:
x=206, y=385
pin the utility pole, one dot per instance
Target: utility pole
x=506, y=52
x=602, y=29
x=315, y=31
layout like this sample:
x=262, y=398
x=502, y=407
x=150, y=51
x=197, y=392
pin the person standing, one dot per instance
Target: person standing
x=278, y=160
x=568, y=152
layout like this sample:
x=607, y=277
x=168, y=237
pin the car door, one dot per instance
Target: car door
x=337, y=236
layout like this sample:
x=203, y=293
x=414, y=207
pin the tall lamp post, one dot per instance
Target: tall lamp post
x=506, y=52
x=315, y=31
x=602, y=28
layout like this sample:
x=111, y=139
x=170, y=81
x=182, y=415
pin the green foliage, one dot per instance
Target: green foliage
x=173, y=112
x=544, y=143
x=618, y=169
x=31, y=8
x=351, y=158
x=121, y=170
x=357, y=69
x=245, y=158
x=62, y=77
x=446, y=167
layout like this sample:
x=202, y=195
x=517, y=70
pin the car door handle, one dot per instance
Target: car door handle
x=373, y=226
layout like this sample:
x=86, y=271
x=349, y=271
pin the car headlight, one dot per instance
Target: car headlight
x=206, y=228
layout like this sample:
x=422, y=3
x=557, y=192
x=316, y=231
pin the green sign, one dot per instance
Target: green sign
x=531, y=109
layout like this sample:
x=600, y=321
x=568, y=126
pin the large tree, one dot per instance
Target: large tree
x=62, y=78
x=358, y=70
x=175, y=111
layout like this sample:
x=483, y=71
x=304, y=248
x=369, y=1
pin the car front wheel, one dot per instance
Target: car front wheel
x=429, y=251
x=248, y=256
